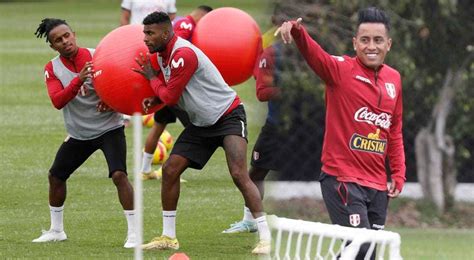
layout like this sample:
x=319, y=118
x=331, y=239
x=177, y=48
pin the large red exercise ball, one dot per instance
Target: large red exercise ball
x=115, y=82
x=231, y=39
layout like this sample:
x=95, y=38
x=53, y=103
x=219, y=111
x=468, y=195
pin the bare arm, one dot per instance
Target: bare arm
x=172, y=16
x=125, y=17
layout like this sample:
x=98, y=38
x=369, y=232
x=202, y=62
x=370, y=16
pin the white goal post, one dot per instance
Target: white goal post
x=298, y=239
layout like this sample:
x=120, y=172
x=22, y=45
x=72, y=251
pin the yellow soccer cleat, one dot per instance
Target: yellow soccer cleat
x=159, y=173
x=151, y=175
x=263, y=248
x=162, y=243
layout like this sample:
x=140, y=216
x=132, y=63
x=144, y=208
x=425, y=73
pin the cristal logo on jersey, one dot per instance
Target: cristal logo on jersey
x=176, y=64
x=186, y=26
x=370, y=143
x=383, y=120
x=263, y=63
x=390, y=87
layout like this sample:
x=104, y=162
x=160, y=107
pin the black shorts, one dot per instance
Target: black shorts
x=267, y=152
x=168, y=115
x=352, y=205
x=197, y=144
x=73, y=153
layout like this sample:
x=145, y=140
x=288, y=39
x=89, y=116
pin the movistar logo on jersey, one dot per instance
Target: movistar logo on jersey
x=186, y=26
x=371, y=143
x=176, y=64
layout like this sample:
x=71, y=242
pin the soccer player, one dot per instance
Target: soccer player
x=183, y=28
x=363, y=122
x=133, y=11
x=90, y=125
x=267, y=150
x=182, y=75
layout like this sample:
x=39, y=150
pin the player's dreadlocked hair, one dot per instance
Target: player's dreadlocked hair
x=47, y=25
x=157, y=18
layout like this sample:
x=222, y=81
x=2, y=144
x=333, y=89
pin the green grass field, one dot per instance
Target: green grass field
x=32, y=130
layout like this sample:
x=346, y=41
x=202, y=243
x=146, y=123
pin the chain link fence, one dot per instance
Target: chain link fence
x=303, y=105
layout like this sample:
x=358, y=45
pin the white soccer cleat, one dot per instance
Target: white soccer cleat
x=242, y=227
x=131, y=241
x=51, y=236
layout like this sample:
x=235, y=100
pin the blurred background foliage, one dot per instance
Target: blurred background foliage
x=430, y=37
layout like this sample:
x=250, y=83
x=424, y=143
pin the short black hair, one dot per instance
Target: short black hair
x=46, y=25
x=205, y=8
x=157, y=18
x=374, y=15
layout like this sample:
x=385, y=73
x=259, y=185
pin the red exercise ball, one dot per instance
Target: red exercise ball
x=115, y=82
x=231, y=39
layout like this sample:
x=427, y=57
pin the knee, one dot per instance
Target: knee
x=55, y=181
x=240, y=176
x=257, y=174
x=171, y=171
x=119, y=177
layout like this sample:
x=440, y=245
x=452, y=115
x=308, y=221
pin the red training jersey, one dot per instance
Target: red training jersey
x=58, y=94
x=363, y=117
x=169, y=92
x=184, y=28
x=264, y=70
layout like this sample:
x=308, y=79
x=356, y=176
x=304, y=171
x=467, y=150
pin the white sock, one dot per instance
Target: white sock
x=169, y=223
x=56, y=218
x=263, y=230
x=146, y=162
x=130, y=216
x=248, y=215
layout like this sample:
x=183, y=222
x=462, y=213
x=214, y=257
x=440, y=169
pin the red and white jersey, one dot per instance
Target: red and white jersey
x=190, y=80
x=363, y=117
x=184, y=27
x=81, y=118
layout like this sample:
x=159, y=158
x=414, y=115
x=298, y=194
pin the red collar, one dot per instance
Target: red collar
x=368, y=70
x=73, y=59
x=165, y=55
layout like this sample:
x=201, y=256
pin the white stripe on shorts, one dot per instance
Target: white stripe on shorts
x=243, y=128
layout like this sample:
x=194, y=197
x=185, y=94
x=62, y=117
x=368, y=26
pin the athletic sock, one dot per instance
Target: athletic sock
x=169, y=223
x=57, y=218
x=248, y=215
x=130, y=216
x=146, y=162
x=263, y=230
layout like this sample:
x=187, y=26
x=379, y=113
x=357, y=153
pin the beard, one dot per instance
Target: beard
x=159, y=48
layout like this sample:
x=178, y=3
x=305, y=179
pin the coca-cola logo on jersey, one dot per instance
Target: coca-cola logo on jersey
x=383, y=120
